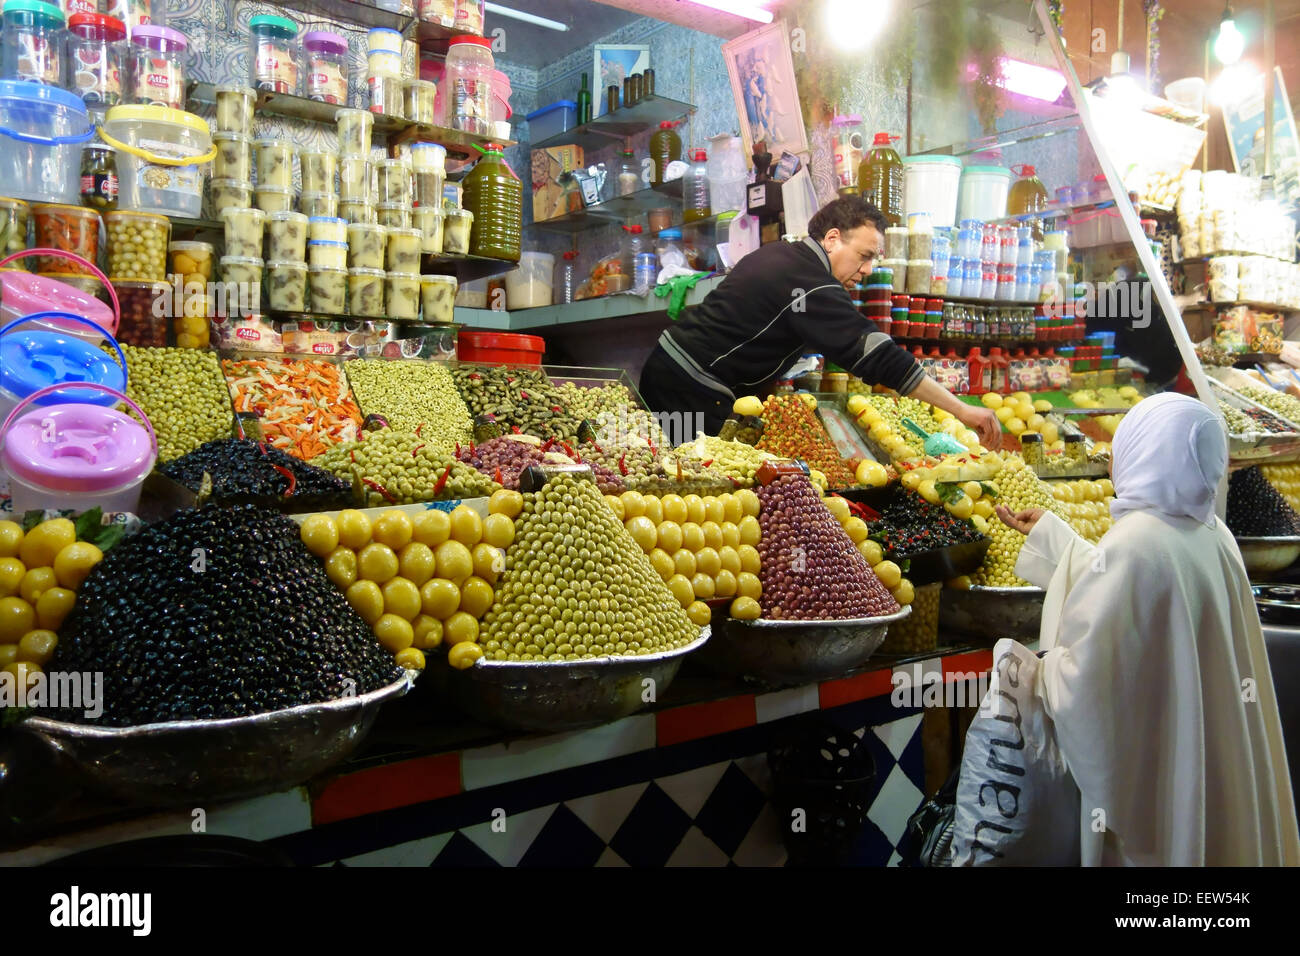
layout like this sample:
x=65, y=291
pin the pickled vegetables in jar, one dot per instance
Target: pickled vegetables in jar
x=73, y=229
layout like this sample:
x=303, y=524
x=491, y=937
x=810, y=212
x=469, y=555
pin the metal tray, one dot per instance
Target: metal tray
x=1268, y=555
x=788, y=653
x=546, y=696
x=942, y=564
x=180, y=763
x=990, y=614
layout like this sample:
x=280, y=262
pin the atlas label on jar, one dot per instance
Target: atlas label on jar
x=159, y=84
x=325, y=83
x=275, y=69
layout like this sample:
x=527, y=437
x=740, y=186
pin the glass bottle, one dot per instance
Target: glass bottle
x=629, y=174
x=584, y=102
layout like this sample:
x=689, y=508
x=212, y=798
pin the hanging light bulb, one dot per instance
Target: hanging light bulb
x=1122, y=84
x=1229, y=44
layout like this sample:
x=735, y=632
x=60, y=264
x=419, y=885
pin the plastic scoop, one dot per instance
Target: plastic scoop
x=936, y=444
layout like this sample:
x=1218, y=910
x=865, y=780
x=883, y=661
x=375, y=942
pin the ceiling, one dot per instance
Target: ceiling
x=535, y=47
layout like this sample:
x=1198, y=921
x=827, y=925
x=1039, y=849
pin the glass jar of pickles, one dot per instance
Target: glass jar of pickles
x=14, y=216
x=98, y=176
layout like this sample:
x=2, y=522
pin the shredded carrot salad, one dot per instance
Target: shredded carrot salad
x=304, y=407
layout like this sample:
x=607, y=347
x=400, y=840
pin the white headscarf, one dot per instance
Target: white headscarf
x=1169, y=455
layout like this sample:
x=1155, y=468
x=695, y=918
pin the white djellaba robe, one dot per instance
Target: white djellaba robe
x=1155, y=673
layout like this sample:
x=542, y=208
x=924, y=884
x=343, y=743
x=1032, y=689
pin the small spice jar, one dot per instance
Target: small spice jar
x=271, y=53
x=157, y=61
x=95, y=55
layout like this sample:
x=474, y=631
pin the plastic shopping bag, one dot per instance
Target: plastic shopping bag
x=1017, y=804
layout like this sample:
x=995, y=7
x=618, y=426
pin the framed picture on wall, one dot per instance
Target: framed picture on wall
x=615, y=62
x=1245, y=124
x=763, y=84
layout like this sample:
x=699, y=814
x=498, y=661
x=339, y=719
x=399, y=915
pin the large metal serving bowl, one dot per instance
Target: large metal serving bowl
x=990, y=614
x=550, y=696
x=1268, y=555
x=787, y=653
x=186, y=761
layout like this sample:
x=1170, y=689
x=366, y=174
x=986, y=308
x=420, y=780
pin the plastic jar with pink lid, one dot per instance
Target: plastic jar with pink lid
x=77, y=456
x=157, y=66
x=325, y=60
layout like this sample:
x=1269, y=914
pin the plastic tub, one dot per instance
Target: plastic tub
x=931, y=186
x=318, y=171
x=244, y=229
x=245, y=272
x=270, y=55
x=358, y=212
x=71, y=472
x=95, y=58
x=355, y=128
x=137, y=244
x=386, y=93
x=286, y=235
x=226, y=194
x=235, y=109
x=234, y=159
x=156, y=67
x=393, y=179
x=529, y=286
x=419, y=98
x=428, y=190
x=41, y=132
x=383, y=40
x=72, y=229
x=31, y=45
x=286, y=286
x=161, y=160
x=366, y=245
x=319, y=205
x=366, y=291
x=456, y=229
x=404, y=248
x=984, y=192
x=429, y=219
x=354, y=179
x=273, y=198
x=34, y=359
x=329, y=289
x=552, y=120
x=402, y=296
x=327, y=255
x=275, y=162
x=430, y=157
x=393, y=215
x=500, y=348
x=325, y=55
x=327, y=229
x=438, y=298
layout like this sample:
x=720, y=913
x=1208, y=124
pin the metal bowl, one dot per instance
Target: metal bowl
x=990, y=614
x=1267, y=555
x=549, y=696
x=787, y=653
x=185, y=762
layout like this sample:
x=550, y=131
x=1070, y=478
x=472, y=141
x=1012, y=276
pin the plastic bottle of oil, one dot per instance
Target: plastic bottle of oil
x=880, y=178
x=494, y=194
x=665, y=148
x=1027, y=194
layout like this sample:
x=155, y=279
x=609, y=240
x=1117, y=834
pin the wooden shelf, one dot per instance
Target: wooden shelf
x=351, y=12
x=398, y=130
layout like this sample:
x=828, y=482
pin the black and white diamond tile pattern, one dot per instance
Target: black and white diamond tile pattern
x=717, y=814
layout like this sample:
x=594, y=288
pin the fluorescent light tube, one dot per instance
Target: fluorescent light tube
x=525, y=17
x=738, y=8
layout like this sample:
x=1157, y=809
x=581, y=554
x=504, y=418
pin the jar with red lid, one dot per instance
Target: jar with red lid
x=95, y=58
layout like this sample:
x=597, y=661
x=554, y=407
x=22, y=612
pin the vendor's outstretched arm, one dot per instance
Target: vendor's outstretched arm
x=982, y=420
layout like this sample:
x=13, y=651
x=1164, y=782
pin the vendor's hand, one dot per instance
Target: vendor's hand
x=984, y=423
x=1022, y=521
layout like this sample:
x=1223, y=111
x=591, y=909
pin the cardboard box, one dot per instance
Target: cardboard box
x=548, y=165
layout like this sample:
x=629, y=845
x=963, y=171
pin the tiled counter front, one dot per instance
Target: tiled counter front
x=683, y=786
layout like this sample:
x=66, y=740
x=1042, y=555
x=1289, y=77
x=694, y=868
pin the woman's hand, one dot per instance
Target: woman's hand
x=1022, y=521
x=984, y=423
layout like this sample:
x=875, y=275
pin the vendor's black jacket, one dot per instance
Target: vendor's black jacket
x=779, y=302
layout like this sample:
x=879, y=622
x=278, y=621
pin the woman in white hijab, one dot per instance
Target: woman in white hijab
x=1154, y=673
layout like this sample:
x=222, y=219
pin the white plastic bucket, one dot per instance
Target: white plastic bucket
x=106, y=471
x=529, y=286
x=41, y=132
x=984, y=193
x=930, y=185
x=162, y=157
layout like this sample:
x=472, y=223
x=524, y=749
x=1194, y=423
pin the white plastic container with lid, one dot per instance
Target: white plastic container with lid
x=286, y=286
x=983, y=193
x=41, y=132
x=366, y=245
x=162, y=158
x=327, y=229
x=286, y=237
x=76, y=456
x=324, y=205
x=328, y=287
x=384, y=40
x=429, y=220
x=234, y=158
x=355, y=128
x=430, y=157
x=930, y=185
x=468, y=103
x=328, y=255
x=438, y=294
x=318, y=170
x=402, y=295
x=529, y=286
